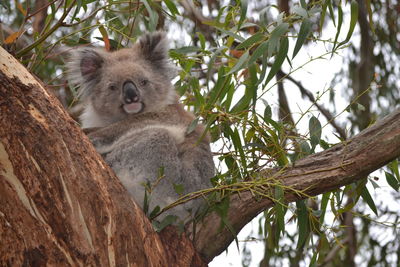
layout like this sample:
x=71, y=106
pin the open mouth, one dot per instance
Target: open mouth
x=131, y=98
x=133, y=108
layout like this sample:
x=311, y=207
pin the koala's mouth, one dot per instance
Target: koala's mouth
x=131, y=98
x=132, y=108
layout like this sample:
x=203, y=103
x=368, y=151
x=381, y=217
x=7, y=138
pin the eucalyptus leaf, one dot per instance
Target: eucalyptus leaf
x=392, y=181
x=255, y=38
x=240, y=63
x=279, y=208
x=353, y=22
x=315, y=129
x=276, y=35
x=302, y=223
x=172, y=7
x=168, y=220
x=279, y=59
x=260, y=50
x=179, y=189
x=368, y=199
x=299, y=10
x=339, y=27
x=305, y=30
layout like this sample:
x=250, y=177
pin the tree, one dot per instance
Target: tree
x=70, y=208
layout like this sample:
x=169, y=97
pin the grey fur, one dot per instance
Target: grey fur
x=141, y=133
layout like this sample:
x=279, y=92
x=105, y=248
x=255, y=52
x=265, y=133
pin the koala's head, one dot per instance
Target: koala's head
x=114, y=85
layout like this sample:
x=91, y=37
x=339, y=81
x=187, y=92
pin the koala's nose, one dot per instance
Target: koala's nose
x=130, y=92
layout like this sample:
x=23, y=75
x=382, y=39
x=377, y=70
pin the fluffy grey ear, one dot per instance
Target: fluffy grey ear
x=90, y=63
x=84, y=68
x=154, y=46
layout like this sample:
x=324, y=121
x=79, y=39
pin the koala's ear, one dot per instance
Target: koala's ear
x=90, y=63
x=154, y=46
x=84, y=67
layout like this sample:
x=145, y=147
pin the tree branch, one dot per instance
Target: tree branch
x=340, y=165
x=197, y=17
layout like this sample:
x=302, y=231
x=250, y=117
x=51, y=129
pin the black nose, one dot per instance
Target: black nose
x=130, y=92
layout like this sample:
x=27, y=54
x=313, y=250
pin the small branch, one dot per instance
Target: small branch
x=40, y=9
x=284, y=109
x=333, y=253
x=364, y=71
x=197, y=17
x=324, y=111
x=47, y=34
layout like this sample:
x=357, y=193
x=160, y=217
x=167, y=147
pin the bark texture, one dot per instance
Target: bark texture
x=60, y=204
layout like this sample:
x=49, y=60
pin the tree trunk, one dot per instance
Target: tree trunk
x=61, y=205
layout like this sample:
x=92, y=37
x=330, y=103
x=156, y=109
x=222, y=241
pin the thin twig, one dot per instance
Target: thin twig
x=47, y=34
x=40, y=9
x=323, y=110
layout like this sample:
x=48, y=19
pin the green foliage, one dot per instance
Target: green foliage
x=305, y=30
x=315, y=129
x=368, y=199
x=168, y=220
x=302, y=223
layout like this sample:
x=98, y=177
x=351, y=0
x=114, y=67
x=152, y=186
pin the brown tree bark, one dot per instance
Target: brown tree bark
x=61, y=205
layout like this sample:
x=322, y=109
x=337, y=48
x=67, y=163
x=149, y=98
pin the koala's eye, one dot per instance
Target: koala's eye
x=143, y=82
x=113, y=87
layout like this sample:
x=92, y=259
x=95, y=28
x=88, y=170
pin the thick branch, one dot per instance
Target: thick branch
x=322, y=172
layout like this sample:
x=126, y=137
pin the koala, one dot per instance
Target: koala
x=138, y=125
